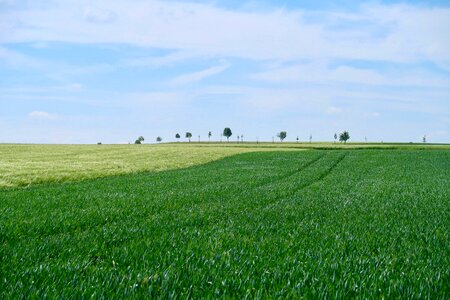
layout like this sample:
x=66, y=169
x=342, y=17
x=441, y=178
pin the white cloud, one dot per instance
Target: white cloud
x=42, y=115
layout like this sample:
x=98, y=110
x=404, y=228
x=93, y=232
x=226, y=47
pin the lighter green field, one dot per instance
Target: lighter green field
x=23, y=165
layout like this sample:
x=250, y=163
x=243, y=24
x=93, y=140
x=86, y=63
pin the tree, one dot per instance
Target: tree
x=177, y=136
x=139, y=140
x=188, y=136
x=310, y=138
x=227, y=133
x=159, y=139
x=344, y=136
x=424, y=139
x=282, y=135
x=335, y=137
x=242, y=138
x=297, y=139
x=209, y=136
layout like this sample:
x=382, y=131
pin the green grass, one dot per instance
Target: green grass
x=313, y=224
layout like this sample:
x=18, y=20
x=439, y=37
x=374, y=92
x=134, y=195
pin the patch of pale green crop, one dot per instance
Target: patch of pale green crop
x=22, y=165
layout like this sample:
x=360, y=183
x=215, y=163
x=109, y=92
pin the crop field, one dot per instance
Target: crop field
x=24, y=165
x=272, y=224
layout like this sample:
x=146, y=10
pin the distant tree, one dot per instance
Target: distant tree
x=238, y=138
x=242, y=138
x=227, y=133
x=159, y=139
x=199, y=138
x=310, y=138
x=297, y=139
x=335, y=137
x=424, y=139
x=177, y=136
x=139, y=140
x=209, y=136
x=282, y=135
x=188, y=136
x=344, y=136
x=99, y=143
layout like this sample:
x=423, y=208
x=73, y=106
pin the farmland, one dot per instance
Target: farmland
x=319, y=223
x=24, y=165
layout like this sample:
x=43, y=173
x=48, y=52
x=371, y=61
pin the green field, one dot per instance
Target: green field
x=371, y=223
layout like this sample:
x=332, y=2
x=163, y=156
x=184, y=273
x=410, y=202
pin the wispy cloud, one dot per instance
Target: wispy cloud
x=159, y=61
x=199, y=75
x=17, y=60
x=321, y=72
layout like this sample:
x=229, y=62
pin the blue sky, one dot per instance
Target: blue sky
x=109, y=71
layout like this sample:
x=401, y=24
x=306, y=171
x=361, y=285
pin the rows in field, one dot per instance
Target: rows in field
x=272, y=224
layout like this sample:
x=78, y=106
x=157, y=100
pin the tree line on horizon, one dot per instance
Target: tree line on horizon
x=343, y=137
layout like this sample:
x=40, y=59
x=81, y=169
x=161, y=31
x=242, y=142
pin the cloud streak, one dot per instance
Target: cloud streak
x=199, y=75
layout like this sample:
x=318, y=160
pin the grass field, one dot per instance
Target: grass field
x=314, y=224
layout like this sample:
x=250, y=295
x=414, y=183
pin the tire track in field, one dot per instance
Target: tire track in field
x=319, y=178
x=328, y=171
x=275, y=179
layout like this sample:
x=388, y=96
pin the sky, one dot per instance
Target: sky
x=79, y=71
